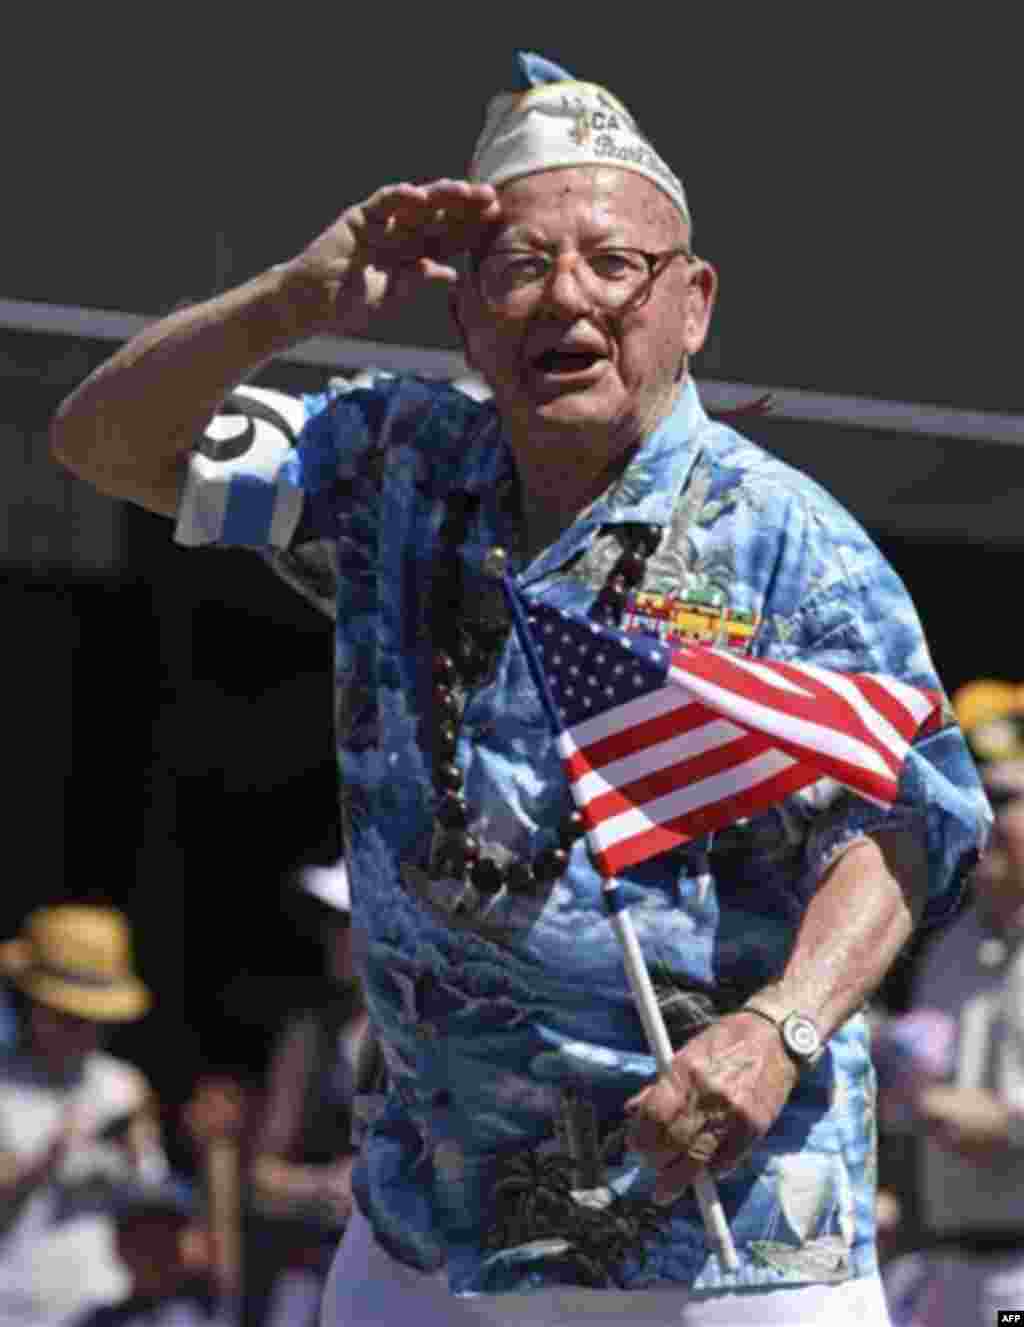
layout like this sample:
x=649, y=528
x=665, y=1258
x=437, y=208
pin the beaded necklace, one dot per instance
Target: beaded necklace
x=464, y=650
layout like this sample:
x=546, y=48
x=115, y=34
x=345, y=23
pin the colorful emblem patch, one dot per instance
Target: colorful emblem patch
x=689, y=617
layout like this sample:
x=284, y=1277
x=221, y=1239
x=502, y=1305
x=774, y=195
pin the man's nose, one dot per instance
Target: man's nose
x=566, y=286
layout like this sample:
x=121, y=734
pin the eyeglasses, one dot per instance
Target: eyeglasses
x=510, y=280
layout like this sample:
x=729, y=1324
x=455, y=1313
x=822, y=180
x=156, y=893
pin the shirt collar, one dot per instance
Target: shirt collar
x=647, y=490
x=645, y=493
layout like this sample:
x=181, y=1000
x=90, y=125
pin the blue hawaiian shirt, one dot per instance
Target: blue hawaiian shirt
x=510, y=1036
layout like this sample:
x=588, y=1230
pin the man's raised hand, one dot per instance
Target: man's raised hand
x=382, y=249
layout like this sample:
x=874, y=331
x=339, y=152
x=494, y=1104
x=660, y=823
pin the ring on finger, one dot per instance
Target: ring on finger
x=704, y=1146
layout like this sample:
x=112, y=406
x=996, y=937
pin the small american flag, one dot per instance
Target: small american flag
x=663, y=743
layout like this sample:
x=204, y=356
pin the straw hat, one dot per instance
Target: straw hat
x=78, y=959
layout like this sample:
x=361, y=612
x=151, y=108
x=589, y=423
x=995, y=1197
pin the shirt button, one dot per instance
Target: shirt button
x=442, y=1099
x=426, y=1031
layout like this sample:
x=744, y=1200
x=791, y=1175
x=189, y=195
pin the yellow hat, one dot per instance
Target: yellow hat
x=991, y=715
x=78, y=959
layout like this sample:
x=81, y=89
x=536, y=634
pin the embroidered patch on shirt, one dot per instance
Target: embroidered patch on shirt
x=688, y=617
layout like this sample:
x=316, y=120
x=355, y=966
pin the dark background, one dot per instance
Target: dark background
x=852, y=171
x=853, y=175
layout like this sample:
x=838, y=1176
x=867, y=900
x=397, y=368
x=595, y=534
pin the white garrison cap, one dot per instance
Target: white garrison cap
x=329, y=884
x=555, y=121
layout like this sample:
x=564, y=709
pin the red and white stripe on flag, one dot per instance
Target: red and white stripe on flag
x=725, y=738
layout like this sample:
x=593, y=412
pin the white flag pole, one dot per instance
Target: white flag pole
x=710, y=1203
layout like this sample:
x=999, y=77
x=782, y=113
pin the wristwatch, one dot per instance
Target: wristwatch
x=801, y=1037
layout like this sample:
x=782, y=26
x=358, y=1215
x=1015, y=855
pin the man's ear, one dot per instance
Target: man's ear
x=700, y=303
x=454, y=308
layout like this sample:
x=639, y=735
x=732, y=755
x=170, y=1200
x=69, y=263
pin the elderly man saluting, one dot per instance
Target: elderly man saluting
x=523, y=1166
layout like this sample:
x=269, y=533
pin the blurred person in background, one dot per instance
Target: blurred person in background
x=165, y=1246
x=301, y=1171
x=962, y=1049
x=75, y=1122
x=218, y=1120
x=911, y=1052
x=179, y=1241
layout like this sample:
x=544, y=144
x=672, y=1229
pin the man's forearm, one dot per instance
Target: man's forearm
x=128, y=429
x=859, y=919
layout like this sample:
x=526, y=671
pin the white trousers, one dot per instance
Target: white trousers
x=953, y=1290
x=368, y=1288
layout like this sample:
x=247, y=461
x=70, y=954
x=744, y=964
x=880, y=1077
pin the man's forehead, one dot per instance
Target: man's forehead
x=589, y=196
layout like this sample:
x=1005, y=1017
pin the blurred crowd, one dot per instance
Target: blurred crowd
x=950, y=1072
x=97, y=1226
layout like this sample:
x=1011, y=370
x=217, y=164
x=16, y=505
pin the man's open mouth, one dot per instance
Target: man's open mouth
x=565, y=361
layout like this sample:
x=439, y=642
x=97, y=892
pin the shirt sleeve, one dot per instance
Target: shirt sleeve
x=859, y=618
x=296, y=479
x=244, y=485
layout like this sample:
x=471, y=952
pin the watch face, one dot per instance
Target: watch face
x=801, y=1036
